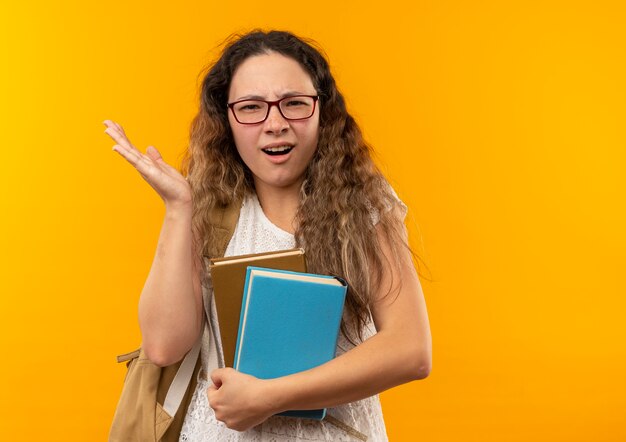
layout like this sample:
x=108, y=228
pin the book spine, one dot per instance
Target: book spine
x=242, y=319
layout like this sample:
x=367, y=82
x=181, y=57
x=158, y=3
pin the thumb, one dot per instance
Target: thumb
x=216, y=376
x=153, y=153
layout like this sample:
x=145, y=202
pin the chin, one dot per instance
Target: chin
x=280, y=182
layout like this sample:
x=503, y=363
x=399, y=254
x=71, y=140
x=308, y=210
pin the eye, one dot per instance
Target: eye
x=248, y=106
x=294, y=102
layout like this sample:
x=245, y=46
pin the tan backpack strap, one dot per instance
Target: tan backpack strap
x=345, y=427
x=128, y=356
x=224, y=220
x=177, y=389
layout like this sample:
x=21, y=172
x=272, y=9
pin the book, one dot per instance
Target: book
x=289, y=323
x=229, y=276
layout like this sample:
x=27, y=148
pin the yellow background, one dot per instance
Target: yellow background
x=500, y=124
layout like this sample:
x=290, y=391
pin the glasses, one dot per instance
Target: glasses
x=295, y=107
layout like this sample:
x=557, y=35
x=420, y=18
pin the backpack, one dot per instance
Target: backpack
x=155, y=399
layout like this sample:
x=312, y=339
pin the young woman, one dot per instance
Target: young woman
x=273, y=131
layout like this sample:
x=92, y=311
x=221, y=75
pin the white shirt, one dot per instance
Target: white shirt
x=255, y=233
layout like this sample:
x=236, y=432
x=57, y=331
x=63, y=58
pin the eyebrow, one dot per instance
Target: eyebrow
x=260, y=97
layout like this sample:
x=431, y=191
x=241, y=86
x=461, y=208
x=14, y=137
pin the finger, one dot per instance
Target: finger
x=211, y=392
x=114, y=124
x=110, y=124
x=119, y=126
x=130, y=155
x=119, y=137
x=143, y=164
x=115, y=131
x=155, y=156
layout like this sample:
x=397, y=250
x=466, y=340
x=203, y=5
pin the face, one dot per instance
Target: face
x=271, y=77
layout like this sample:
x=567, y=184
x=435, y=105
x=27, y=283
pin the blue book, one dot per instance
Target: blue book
x=289, y=323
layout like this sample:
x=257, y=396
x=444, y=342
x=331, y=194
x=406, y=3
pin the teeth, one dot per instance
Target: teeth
x=278, y=148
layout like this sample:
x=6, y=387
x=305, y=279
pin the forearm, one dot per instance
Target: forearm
x=169, y=314
x=377, y=364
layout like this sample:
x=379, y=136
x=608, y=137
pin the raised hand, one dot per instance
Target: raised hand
x=171, y=186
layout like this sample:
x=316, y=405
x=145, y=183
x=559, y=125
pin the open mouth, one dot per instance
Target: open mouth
x=276, y=151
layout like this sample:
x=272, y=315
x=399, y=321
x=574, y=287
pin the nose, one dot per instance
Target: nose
x=275, y=122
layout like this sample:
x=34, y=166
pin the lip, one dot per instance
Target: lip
x=280, y=158
x=283, y=143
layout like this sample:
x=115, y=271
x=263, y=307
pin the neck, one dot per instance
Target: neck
x=279, y=204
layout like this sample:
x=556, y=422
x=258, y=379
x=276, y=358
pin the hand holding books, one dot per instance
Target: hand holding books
x=235, y=396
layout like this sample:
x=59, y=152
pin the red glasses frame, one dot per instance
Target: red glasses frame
x=274, y=103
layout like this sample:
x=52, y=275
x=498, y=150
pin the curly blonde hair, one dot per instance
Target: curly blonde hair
x=342, y=192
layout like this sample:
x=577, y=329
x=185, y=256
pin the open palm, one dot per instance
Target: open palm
x=171, y=186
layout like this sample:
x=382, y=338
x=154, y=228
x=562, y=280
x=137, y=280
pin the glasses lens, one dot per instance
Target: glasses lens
x=296, y=108
x=250, y=111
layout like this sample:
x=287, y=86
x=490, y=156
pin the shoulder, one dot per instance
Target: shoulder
x=393, y=202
